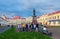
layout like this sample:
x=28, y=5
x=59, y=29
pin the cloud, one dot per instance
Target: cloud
x=49, y=6
x=26, y=6
x=7, y=14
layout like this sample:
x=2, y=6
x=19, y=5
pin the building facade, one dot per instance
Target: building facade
x=29, y=19
x=52, y=19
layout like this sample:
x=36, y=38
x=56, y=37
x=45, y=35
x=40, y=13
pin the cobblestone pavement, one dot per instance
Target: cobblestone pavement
x=55, y=31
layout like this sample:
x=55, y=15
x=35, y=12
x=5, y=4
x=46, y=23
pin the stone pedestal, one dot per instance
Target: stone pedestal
x=34, y=17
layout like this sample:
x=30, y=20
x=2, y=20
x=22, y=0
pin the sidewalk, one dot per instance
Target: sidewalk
x=2, y=29
x=55, y=31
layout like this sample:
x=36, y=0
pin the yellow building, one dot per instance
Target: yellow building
x=29, y=19
x=52, y=19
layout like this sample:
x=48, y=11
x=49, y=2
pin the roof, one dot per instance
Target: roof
x=3, y=19
x=14, y=18
x=57, y=12
x=17, y=17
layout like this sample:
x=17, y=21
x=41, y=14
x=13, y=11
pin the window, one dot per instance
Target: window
x=49, y=17
x=58, y=22
x=49, y=22
x=53, y=22
x=52, y=17
x=55, y=17
x=46, y=19
x=58, y=17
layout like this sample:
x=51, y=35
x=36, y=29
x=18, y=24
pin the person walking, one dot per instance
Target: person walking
x=18, y=28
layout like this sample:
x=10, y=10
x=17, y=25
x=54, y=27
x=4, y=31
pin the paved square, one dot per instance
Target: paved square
x=56, y=32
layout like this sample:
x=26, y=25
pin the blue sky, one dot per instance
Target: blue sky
x=25, y=8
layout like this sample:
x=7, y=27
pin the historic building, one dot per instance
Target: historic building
x=14, y=20
x=29, y=19
x=2, y=21
x=52, y=19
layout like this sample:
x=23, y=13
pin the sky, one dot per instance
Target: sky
x=24, y=8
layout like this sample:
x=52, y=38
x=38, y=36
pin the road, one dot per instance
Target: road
x=55, y=31
x=4, y=28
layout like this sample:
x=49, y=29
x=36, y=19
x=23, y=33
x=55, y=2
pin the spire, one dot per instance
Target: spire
x=34, y=17
x=34, y=12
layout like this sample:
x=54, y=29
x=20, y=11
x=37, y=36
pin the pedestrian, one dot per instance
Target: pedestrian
x=44, y=30
x=8, y=25
x=37, y=27
x=24, y=26
x=0, y=25
x=34, y=27
x=21, y=26
x=12, y=27
x=27, y=27
x=30, y=28
x=18, y=27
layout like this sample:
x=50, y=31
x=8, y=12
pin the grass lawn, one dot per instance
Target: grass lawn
x=9, y=34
